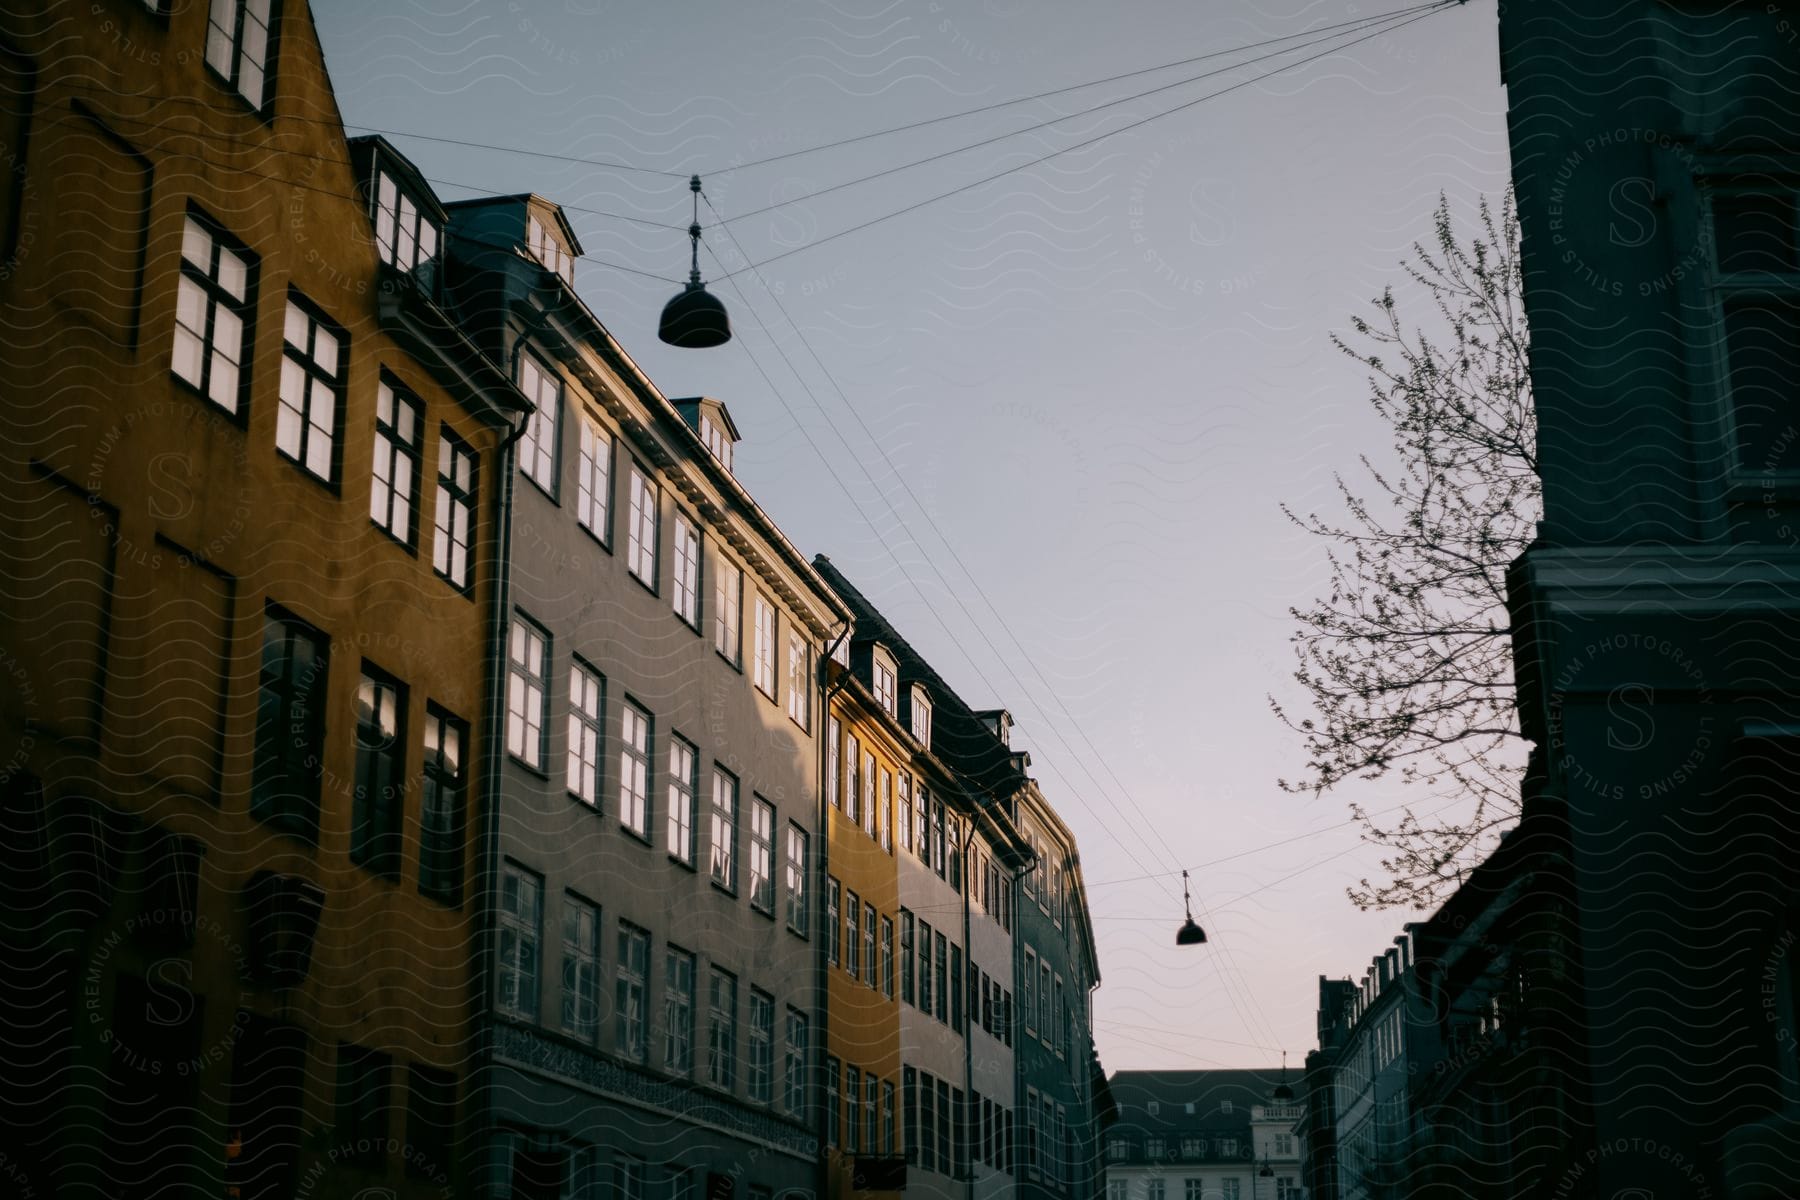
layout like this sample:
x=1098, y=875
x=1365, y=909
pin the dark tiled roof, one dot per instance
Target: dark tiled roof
x=1207, y=1091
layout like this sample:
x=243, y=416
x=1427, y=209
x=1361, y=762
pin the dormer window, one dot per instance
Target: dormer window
x=887, y=682
x=405, y=236
x=921, y=717
x=716, y=439
x=545, y=247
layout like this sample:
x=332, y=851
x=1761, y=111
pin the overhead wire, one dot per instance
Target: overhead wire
x=1073, y=87
x=1070, y=116
x=1025, y=166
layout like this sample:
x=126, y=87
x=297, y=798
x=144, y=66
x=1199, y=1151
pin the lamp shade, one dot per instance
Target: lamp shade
x=695, y=319
x=1190, y=934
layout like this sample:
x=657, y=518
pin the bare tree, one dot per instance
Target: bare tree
x=1407, y=660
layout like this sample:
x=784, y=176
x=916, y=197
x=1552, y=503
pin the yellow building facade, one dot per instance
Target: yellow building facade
x=249, y=483
x=866, y=776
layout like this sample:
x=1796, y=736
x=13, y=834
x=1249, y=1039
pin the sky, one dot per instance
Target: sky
x=1046, y=422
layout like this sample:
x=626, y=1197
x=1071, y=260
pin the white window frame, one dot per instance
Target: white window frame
x=678, y=1010
x=537, y=446
x=399, y=452
x=764, y=650
x=314, y=353
x=685, y=598
x=593, y=481
x=642, y=529
x=921, y=716
x=520, y=921
x=454, y=520
x=684, y=766
x=722, y=848
x=631, y=1029
x=762, y=855
x=728, y=611
x=240, y=37
x=759, y=1069
x=527, y=691
x=635, y=732
x=721, y=1029
x=587, y=721
x=580, y=968
x=214, y=301
x=799, y=698
x=797, y=867
x=404, y=236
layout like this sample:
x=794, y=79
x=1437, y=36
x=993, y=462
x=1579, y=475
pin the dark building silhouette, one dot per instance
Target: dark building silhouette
x=1657, y=614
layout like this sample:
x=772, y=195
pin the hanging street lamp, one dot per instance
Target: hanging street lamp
x=1189, y=934
x=694, y=318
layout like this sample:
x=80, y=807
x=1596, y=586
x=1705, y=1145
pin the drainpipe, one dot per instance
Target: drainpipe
x=970, y=1020
x=821, y=968
x=493, y=760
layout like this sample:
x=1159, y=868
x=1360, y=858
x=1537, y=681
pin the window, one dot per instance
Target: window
x=1117, y=1189
x=765, y=647
x=869, y=969
x=903, y=817
x=1228, y=1147
x=378, y=804
x=1193, y=1147
x=833, y=920
x=1284, y=1144
x=683, y=783
x=884, y=807
x=799, y=699
x=796, y=879
x=537, y=446
x=547, y=249
x=580, y=968
x=678, y=1011
x=1156, y=1190
x=887, y=957
x=942, y=981
x=852, y=1109
x=1757, y=237
x=925, y=1004
x=629, y=1037
x=721, y=1030
x=794, y=1083
x=909, y=1094
x=1117, y=1150
x=762, y=855
x=290, y=726
x=1225, y=1106
x=923, y=809
x=628, y=1178
x=593, y=482
x=1192, y=1189
x=1230, y=1189
x=404, y=235
x=886, y=684
x=871, y=1111
x=365, y=1079
x=443, y=806
x=955, y=988
x=455, y=517
x=833, y=735
x=1045, y=1028
x=1059, y=1014
x=717, y=440
x=213, y=309
x=906, y=956
x=634, y=769
x=521, y=900
x=887, y=1118
x=641, y=534
x=833, y=1137
x=239, y=46
x=312, y=390
x=853, y=785
x=759, y=1074
x=1027, y=992
x=527, y=692
x=1285, y=1189
x=868, y=793
x=852, y=934
x=724, y=829
x=728, y=603
x=394, y=488
x=587, y=707
x=687, y=570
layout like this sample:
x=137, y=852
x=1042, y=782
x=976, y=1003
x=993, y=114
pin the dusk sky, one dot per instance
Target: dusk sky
x=1045, y=423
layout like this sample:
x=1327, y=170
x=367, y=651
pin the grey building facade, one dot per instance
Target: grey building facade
x=651, y=990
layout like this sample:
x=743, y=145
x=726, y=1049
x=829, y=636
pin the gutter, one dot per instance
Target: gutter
x=493, y=760
x=821, y=968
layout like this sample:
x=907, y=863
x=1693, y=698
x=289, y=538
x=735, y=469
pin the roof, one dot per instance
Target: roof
x=1207, y=1091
